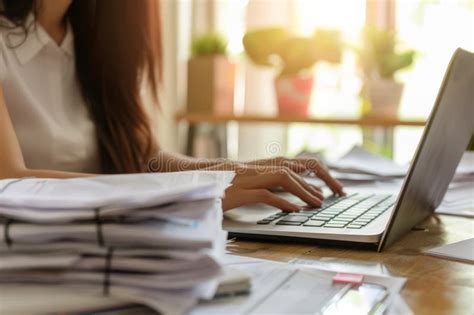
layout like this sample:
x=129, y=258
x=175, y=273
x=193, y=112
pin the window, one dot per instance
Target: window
x=435, y=28
x=337, y=87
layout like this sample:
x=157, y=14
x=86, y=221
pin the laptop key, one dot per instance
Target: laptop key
x=362, y=218
x=368, y=216
x=314, y=223
x=341, y=220
x=320, y=217
x=288, y=223
x=354, y=226
x=334, y=225
x=264, y=222
x=329, y=215
x=374, y=212
x=310, y=210
x=348, y=216
x=303, y=214
x=294, y=218
x=363, y=222
x=272, y=217
x=338, y=206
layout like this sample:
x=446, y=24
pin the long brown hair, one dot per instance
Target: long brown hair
x=117, y=51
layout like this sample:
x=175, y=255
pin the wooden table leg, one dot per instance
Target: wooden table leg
x=221, y=140
x=190, y=139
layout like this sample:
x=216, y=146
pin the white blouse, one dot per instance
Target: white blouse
x=43, y=98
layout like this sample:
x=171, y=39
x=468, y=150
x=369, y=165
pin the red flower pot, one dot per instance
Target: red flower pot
x=293, y=95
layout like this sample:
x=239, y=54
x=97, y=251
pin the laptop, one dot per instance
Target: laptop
x=375, y=219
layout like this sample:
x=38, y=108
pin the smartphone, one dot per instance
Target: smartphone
x=366, y=298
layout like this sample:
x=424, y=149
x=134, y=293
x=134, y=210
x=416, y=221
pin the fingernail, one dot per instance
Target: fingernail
x=317, y=202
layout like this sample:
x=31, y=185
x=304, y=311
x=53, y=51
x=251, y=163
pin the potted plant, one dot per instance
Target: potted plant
x=211, y=76
x=294, y=56
x=381, y=60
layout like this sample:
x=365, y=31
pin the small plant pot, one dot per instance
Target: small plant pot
x=383, y=97
x=210, y=85
x=294, y=95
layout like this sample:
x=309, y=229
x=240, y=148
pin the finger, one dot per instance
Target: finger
x=237, y=197
x=295, y=166
x=317, y=188
x=307, y=186
x=293, y=186
x=278, y=178
x=269, y=198
x=322, y=172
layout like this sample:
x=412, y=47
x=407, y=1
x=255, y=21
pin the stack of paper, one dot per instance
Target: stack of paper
x=154, y=239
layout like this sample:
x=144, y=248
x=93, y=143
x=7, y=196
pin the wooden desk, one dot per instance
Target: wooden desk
x=195, y=119
x=434, y=286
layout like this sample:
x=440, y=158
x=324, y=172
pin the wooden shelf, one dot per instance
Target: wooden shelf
x=210, y=118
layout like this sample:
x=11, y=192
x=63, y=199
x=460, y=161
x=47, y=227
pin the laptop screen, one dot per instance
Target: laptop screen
x=445, y=138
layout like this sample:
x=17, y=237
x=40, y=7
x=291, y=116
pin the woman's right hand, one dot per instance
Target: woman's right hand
x=253, y=185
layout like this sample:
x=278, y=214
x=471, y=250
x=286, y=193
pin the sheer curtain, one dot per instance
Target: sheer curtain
x=176, y=34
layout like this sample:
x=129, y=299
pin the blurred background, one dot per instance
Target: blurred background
x=249, y=79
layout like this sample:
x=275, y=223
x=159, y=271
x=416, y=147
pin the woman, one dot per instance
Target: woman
x=72, y=102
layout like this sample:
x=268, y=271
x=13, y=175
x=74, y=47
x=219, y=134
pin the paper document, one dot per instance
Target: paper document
x=359, y=160
x=361, y=166
x=113, y=191
x=281, y=288
x=462, y=251
x=152, y=239
x=459, y=200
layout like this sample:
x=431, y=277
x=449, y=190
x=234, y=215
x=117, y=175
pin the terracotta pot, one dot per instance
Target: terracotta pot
x=210, y=85
x=294, y=95
x=383, y=96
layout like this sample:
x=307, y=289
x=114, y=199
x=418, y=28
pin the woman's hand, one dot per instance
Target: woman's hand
x=254, y=184
x=303, y=166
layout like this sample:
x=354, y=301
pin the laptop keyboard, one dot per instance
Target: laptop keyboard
x=351, y=212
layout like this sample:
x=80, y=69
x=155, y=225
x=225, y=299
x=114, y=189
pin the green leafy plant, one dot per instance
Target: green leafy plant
x=208, y=44
x=379, y=54
x=276, y=47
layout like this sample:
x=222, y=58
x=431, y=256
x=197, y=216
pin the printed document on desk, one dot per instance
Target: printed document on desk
x=281, y=288
x=461, y=251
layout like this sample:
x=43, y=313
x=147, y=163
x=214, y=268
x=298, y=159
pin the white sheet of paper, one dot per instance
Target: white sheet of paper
x=466, y=165
x=154, y=234
x=52, y=299
x=360, y=160
x=459, y=200
x=281, y=288
x=180, y=212
x=113, y=191
x=130, y=263
x=462, y=251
